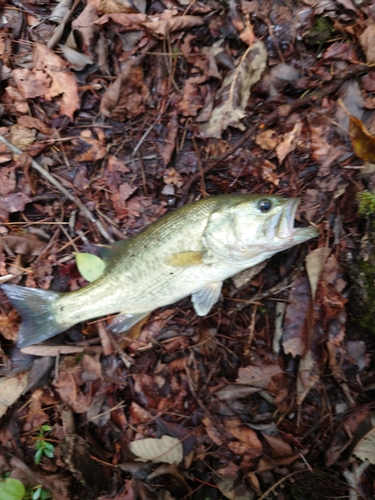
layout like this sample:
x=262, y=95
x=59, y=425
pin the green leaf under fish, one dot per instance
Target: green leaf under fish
x=89, y=265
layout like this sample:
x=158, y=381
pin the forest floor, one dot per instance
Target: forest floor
x=130, y=110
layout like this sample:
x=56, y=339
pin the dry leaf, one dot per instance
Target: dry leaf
x=49, y=350
x=124, y=99
x=308, y=376
x=367, y=41
x=21, y=137
x=267, y=139
x=163, y=27
x=120, y=6
x=278, y=446
x=297, y=317
x=75, y=58
x=233, y=95
x=48, y=78
x=25, y=244
x=19, y=101
x=167, y=449
x=31, y=122
x=362, y=141
x=258, y=376
x=10, y=390
x=289, y=142
x=314, y=266
x=365, y=448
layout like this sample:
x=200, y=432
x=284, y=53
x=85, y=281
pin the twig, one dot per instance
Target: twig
x=62, y=189
x=282, y=480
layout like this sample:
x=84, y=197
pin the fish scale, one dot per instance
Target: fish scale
x=189, y=251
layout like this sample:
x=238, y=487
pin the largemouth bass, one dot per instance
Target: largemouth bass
x=189, y=251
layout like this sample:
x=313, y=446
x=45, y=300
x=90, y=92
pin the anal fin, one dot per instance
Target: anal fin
x=124, y=321
x=205, y=298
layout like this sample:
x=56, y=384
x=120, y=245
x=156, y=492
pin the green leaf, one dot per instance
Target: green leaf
x=49, y=453
x=48, y=446
x=36, y=494
x=46, y=427
x=38, y=456
x=12, y=489
x=90, y=266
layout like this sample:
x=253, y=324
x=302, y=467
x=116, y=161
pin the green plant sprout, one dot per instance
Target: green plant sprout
x=42, y=446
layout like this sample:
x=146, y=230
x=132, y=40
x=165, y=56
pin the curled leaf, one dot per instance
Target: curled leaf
x=167, y=449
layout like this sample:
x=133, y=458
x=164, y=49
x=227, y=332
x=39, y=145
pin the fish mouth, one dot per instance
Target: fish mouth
x=282, y=227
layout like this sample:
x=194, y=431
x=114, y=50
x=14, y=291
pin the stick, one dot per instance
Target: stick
x=63, y=190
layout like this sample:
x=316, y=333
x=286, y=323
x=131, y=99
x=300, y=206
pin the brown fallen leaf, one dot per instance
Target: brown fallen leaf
x=9, y=325
x=117, y=6
x=7, y=180
x=278, y=446
x=10, y=390
x=124, y=99
x=94, y=148
x=167, y=449
x=367, y=41
x=27, y=244
x=164, y=26
x=267, y=139
x=258, y=376
x=314, y=266
x=18, y=101
x=243, y=434
x=126, y=20
x=49, y=78
x=233, y=95
x=170, y=131
x=289, y=142
x=31, y=122
x=296, y=322
x=362, y=141
x=21, y=137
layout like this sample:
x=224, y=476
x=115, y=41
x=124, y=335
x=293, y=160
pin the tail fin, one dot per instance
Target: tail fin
x=34, y=306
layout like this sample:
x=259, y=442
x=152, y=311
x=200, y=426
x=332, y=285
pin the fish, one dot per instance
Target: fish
x=188, y=251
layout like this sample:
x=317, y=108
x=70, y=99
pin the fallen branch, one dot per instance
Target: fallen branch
x=62, y=189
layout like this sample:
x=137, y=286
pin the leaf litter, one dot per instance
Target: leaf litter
x=130, y=110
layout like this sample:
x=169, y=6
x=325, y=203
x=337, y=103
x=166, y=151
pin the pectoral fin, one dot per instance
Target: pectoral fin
x=124, y=321
x=185, y=259
x=204, y=299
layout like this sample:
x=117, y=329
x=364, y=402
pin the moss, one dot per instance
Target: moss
x=362, y=300
x=366, y=204
x=362, y=272
x=320, y=32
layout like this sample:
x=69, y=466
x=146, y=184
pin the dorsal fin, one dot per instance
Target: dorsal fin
x=108, y=252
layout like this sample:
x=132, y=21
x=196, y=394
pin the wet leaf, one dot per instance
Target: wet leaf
x=167, y=449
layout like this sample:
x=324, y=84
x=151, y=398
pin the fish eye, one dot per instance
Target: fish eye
x=264, y=205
